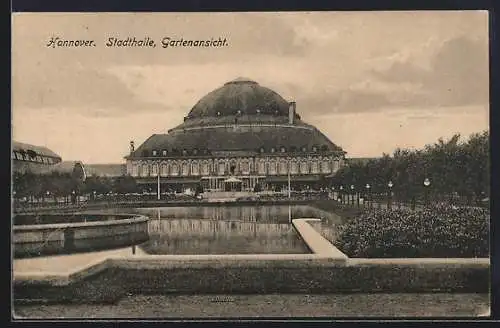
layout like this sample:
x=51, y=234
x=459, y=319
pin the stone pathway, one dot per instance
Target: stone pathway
x=271, y=306
x=60, y=264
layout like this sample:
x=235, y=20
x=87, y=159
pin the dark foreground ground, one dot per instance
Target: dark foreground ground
x=277, y=306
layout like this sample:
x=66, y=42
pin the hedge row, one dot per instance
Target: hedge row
x=440, y=231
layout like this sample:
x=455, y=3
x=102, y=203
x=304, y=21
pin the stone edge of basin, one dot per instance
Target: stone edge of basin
x=315, y=241
x=324, y=255
x=134, y=218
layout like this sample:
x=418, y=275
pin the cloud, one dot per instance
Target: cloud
x=91, y=92
x=458, y=74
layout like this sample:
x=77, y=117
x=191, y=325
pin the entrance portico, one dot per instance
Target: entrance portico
x=217, y=183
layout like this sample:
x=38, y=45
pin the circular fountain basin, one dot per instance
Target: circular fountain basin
x=38, y=235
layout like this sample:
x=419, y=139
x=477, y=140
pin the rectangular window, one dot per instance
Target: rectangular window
x=164, y=153
x=154, y=153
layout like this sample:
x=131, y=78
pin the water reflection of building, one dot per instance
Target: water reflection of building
x=264, y=213
x=209, y=227
x=183, y=236
x=243, y=130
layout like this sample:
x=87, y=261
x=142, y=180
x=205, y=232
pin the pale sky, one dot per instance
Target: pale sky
x=370, y=81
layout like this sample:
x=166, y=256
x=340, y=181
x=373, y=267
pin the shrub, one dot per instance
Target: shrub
x=440, y=231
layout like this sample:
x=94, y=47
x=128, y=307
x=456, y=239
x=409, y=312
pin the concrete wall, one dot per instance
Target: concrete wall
x=256, y=274
x=40, y=239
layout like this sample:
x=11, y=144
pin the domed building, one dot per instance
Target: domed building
x=240, y=132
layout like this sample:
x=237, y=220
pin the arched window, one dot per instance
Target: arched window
x=314, y=167
x=273, y=150
x=304, y=168
x=185, y=169
x=204, y=168
x=154, y=169
x=195, y=168
x=325, y=166
x=164, y=153
x=261, y=150
x=164, y=169
x=283, y=149
x=184, y=152
x=155, y=152
x=336, y=165
x=135, y=170
x=294, y=167
x=221, y=168
x=273, y=168
x=262, y=167
x=245, y=167
x=283, y=167
x=144, y=170
x=314, y=149
x=174, y=169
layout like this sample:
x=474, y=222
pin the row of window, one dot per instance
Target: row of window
x=195, y=169
x=261, y=150
x=33, y=157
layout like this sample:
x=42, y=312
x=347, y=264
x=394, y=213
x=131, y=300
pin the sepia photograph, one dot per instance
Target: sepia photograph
x=250, y=165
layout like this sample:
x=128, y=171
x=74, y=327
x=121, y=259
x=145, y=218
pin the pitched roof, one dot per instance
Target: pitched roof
x=41, y=150
x=236, y=139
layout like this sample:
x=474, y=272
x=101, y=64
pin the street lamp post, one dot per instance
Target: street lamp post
x=368, y=196
x=427, y=183
x=352, y=195
x=389, y=195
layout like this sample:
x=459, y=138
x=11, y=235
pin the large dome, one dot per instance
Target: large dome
x=240, y=96
x=239, y=117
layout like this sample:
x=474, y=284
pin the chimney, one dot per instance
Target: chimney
x=291, y=112
x=132, y=146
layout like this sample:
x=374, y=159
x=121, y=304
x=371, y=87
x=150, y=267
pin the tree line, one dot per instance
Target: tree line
x=454, y=168
x=57, y=184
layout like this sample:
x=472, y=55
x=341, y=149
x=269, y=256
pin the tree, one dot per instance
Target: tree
x=125, y=184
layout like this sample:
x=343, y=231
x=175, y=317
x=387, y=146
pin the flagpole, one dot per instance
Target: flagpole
x=158, y=171
x=289, y=197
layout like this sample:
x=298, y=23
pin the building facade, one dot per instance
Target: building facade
x=240, y=130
